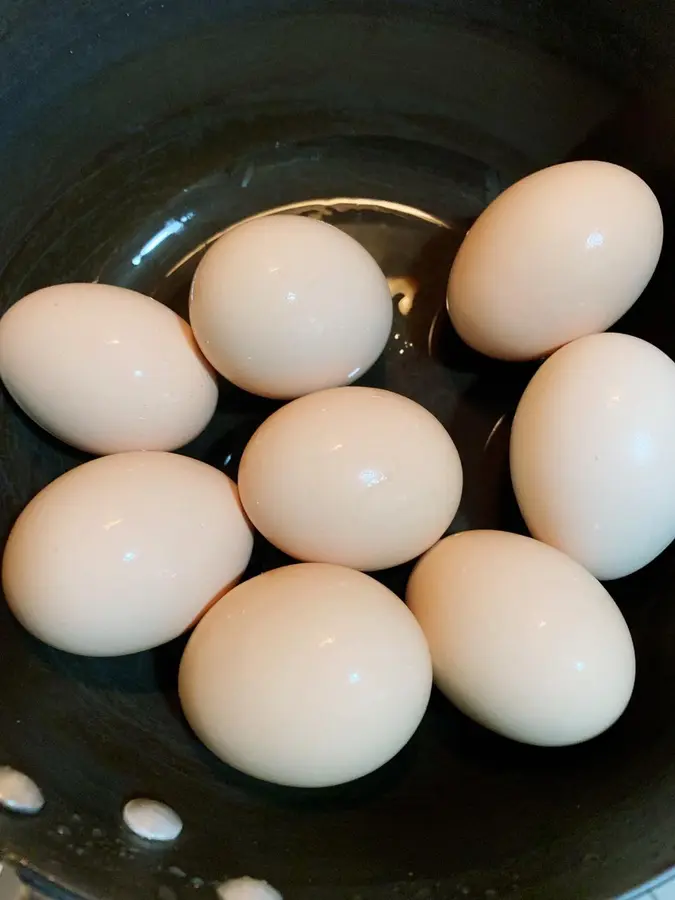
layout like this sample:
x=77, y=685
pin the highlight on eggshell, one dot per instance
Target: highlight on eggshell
x=106, y=369
x=563, y=253
x=522, y=638
x=284, y=305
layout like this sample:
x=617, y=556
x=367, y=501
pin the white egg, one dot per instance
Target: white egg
x=592, y=451
x=125, y=552
x=560, y=254
x=523, y=639
x=309, y=675
x=106, y=369
x=284, y=305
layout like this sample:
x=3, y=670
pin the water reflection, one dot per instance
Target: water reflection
x=173, y=226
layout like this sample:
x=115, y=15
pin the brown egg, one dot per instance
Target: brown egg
x=125, y=552
x=522, y=638
x=284, y=305
x=106, y=369
x=592, y=450
x=308, y=675
x=560, y=254
x=354, y=476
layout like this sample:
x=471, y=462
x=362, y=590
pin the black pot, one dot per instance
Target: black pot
x=131, y=132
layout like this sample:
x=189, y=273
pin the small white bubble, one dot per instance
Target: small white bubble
x=247, y=889
x=152, y=820
x=18, y=792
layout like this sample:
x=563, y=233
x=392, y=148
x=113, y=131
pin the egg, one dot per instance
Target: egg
x=310, y=675
x=563, y=253
x=106, y=369
x=284, y=305
x=354, y=476
x=125, y=552
x=592, y=451
x=523, y=639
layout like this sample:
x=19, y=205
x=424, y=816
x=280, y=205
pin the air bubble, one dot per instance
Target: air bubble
x=247, y=889
x=18, y=792
x=152, y=820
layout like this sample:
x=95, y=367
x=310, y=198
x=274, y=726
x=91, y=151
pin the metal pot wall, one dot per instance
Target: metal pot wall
x=134, y=131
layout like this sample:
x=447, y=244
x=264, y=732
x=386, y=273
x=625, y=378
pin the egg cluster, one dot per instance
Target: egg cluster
x=315, y=674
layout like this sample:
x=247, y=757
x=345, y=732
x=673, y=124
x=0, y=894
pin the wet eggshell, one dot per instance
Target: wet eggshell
x=354, y=476
x=560, y=254
x=284, y=305
x=592, y=450
x=309, y=675
x=523, y=639
x=106, y=369
x=125, y=552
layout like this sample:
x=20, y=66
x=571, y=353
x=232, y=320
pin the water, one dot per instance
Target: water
x=142, y=220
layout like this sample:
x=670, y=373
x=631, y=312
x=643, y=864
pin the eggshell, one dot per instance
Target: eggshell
x=522, y=638
x=353, y=476
x=284, y=305
x=592, y=451
x=309, y=675
x=106, y=369
x=125, y=552
x=560, y=254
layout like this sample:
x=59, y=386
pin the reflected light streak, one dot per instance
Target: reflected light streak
x=173, y=226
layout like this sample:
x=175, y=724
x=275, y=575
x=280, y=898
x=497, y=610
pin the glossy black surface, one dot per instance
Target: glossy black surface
x=133, y=132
